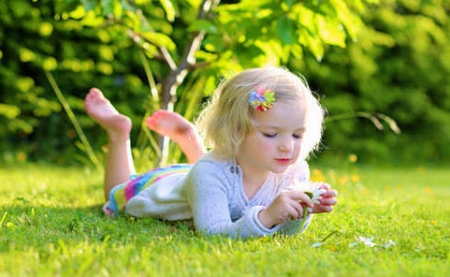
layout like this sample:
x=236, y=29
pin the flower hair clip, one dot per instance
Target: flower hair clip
x=261, y=99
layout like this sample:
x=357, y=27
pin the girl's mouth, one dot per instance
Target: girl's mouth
x=283, y=161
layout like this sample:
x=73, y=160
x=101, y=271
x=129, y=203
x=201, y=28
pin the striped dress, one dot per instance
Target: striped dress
x=121, y=194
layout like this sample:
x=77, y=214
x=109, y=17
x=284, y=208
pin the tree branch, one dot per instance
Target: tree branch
x=177, y=75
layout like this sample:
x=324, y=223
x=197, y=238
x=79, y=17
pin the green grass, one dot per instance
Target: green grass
x=51, y=224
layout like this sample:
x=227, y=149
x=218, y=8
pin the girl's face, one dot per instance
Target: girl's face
x=275, y=142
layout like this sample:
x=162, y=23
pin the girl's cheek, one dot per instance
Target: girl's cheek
x=266, y=144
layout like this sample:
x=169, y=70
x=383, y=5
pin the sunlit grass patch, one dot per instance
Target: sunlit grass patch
x=389, y=222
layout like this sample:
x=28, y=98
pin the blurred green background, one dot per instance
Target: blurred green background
x=381, y=68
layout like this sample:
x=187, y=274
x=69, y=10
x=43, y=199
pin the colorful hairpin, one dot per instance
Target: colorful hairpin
x=261, y=99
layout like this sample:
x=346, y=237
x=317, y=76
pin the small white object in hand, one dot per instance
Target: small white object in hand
x=315, y=193
x=312, y=189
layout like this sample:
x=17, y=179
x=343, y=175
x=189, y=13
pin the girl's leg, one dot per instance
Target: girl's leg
x=180, y=130
x=119, y=162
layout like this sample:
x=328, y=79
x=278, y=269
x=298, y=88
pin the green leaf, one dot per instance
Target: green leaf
x=203, y=25
x=214, y=44
x=89, y=5
x=169, y=9
x=285, y=29
x=20, y=125
x=127, y=6
x=310, y=194
x=290, y=3
x=150, y=50
x=331, y=31
x=49, y=64
x=9, y=111
x=312, y=41
x=160, y=39
x=205, y=56
x=107, y=7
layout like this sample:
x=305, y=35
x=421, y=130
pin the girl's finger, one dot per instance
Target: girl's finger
x=302, y=198
x=329, y=193
x=322, y=209
x=325, y=186
x=297, y=212
x=328, y=201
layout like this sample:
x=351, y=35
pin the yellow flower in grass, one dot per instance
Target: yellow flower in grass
x=317, y=176
x=343, y=180
x=21, y=157
x=355, y=178
x=353, y=158
x=421, y=169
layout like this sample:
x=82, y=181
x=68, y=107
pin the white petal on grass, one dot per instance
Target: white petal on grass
x=317, y=244
x=367, y=241
x=389, y=244
x=353, y=244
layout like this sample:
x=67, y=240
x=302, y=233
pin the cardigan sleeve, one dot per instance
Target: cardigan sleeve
x=207, y=191
x=292, y=227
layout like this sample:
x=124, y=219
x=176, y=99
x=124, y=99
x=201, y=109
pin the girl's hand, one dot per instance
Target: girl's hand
x=327, y=201
x=288, y=205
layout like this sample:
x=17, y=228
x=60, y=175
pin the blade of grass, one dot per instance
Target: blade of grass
x=374, y=118
x=144, y=135
x=3, y=219
x=74, y=121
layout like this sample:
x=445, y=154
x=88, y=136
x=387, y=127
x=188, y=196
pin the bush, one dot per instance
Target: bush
x=398, y=67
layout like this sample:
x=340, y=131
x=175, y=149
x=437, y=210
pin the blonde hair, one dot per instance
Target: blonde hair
x=227, y=118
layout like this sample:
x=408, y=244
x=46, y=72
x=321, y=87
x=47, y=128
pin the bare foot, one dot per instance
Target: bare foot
x=170, y=124
x=100, y=109
x=178, y=129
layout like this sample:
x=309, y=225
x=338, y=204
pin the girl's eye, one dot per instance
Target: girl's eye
x=269, y=135
x=296, y=136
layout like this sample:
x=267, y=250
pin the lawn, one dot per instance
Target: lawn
x=389, y=222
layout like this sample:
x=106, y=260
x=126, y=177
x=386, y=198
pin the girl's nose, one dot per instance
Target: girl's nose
x=286, y=145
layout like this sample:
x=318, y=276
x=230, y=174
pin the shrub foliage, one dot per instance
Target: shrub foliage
x=368, y=59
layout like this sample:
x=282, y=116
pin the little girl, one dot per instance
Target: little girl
x=261, y=125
